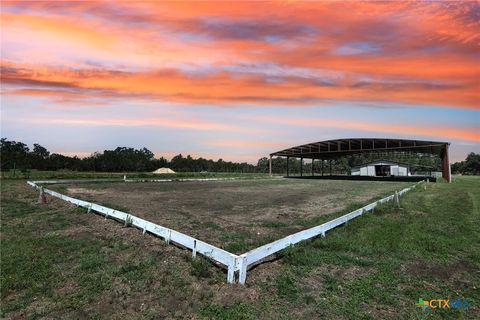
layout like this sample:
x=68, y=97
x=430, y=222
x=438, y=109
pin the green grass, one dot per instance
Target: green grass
x=32, y=262
x=286, y=286
x=375, y=267
x=201, y=267
x=275, y=224
x=238, y=311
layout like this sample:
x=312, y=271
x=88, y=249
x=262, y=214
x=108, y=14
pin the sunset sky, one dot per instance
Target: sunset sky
x=238, y=80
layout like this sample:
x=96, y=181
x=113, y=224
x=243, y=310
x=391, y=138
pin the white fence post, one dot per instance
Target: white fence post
x=397, y=200
x=231, y=270
x=194, y=249
x=42, y=199
x=242, y=269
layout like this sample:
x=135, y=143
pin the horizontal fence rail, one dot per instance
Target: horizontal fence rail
x=235, y=264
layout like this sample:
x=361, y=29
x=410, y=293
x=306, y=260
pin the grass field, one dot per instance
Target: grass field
x=237, y=215
x=57, y=261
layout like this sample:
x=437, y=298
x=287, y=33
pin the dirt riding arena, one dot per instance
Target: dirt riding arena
x=235, y=215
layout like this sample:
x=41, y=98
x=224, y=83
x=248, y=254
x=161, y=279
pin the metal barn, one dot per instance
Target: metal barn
x=332, y=149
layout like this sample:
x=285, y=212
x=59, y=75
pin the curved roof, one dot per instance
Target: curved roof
x=329, y=149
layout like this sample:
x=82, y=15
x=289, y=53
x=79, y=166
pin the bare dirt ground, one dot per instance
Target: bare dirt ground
x=235, y=215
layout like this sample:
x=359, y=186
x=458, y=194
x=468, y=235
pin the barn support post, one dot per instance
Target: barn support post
x=322, y=167
x=288, y=158
x=446, y=170
x=270, y=165
x=301, y=167
x=312, y=167
x=330, y=162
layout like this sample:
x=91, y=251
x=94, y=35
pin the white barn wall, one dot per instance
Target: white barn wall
x=369, y=169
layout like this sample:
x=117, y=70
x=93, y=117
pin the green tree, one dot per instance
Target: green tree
x=13, y=154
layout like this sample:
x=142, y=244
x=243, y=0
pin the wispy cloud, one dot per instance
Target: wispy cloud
x=175, y=123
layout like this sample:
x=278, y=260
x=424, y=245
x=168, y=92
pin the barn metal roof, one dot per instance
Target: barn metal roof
x=340, y=147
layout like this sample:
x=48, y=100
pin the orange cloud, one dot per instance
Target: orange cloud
x=229, y=88
x=66, y=29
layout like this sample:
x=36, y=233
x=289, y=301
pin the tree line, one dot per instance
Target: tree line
x=17, y=155
x=471, y=165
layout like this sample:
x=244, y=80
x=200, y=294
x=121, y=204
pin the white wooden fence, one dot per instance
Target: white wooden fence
x=236, y=265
